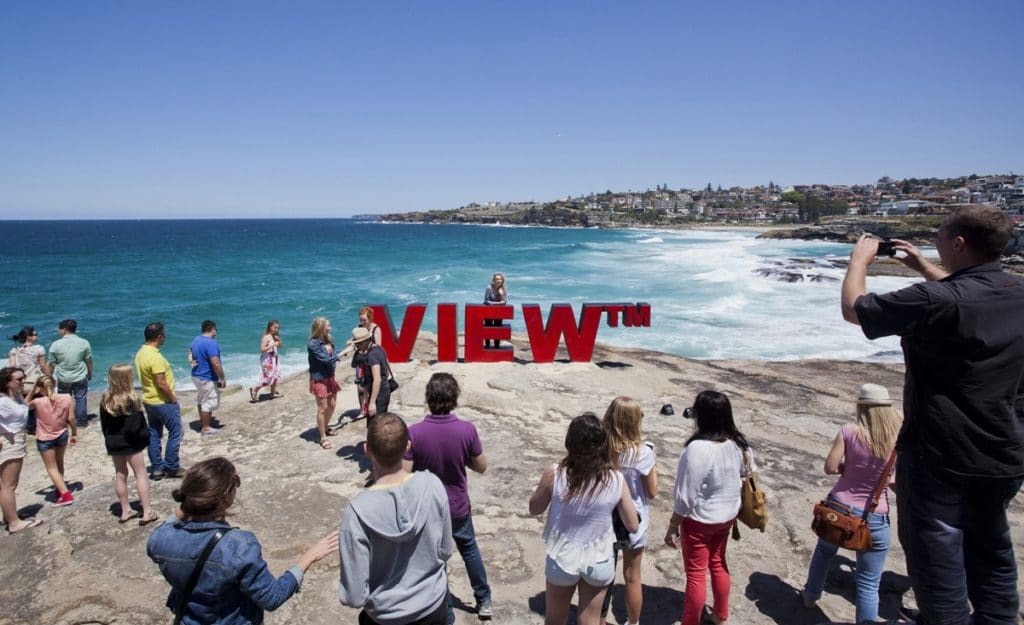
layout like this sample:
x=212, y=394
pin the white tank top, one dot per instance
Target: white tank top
x=579, y=531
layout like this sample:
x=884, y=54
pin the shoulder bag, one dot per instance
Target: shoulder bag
x=753, y=506
x=196, y=572
x=834, y=522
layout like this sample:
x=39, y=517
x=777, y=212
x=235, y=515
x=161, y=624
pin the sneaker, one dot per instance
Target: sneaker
x=484, y=612
x=211, y=432
x=173, y=474
x=65, y=499
x=156, y=476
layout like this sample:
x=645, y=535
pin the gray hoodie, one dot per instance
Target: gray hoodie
x=394, y=543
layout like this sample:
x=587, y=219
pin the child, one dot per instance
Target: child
x=52, y=440
x=636, y=462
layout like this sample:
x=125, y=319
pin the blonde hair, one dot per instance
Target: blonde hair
x=120, y=398
x=504, y=283
x=622, y=422
x=48, y=385
x=319, y=330
x=878, y=427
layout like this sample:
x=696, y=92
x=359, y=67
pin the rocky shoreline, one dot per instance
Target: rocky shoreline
x=96, y=571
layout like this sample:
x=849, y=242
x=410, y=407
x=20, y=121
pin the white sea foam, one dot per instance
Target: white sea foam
x=651, y=240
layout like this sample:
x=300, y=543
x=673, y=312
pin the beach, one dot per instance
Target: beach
x=293, y=492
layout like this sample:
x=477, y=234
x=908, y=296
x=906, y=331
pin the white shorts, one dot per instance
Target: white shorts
x=12, y=447
x=208, y=396
x=595, y=574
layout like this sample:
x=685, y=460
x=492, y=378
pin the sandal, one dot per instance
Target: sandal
x=325, y=444
x=146, y=521
x=333, y=431
x=276, y=395
x=252, y=395
x=134, y=515
x=29, y=524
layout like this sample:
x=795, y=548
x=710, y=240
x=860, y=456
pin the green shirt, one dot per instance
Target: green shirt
x=68, y=356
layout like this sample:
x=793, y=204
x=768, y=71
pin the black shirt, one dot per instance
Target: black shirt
x=963, y=341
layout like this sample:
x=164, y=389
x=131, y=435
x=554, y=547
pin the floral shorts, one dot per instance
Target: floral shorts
x=324, y=388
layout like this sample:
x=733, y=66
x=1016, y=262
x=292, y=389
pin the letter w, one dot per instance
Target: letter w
x=579, y=339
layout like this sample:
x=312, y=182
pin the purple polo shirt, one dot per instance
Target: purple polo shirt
x=443, y=445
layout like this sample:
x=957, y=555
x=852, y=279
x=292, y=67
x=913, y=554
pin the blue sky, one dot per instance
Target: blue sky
x=273, y=109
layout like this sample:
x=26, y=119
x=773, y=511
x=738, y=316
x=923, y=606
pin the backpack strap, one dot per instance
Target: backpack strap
x=196, y=572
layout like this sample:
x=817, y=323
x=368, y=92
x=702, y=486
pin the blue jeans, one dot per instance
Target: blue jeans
x=465, y=539
x=80, y=391
x=957, y=541
x=162, y=416
x=870, y=564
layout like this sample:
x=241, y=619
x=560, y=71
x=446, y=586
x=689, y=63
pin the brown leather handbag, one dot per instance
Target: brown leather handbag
x=835, y=524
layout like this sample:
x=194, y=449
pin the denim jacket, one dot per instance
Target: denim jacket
x=235, y=586
x=321, y=363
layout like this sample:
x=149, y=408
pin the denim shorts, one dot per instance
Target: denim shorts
x=60, y=441
x=595, y=574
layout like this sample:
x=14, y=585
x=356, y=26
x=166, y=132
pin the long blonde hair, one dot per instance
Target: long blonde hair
x=622, y=422
x=878, y=427
x=120, y=398
x=503, y=289
x=319, y=330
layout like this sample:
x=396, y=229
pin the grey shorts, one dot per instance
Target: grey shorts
x=208, y=394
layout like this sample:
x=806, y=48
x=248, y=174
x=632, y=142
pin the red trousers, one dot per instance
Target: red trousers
x=703, y=548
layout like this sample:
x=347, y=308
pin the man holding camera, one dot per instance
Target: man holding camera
x=961, y=448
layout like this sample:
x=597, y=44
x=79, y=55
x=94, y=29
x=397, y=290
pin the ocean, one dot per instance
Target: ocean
x=707, y=296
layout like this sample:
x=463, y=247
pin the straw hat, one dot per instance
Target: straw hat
x=873, y=395
x=359, y=334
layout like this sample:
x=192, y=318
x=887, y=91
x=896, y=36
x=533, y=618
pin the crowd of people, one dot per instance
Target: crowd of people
x=958, y=452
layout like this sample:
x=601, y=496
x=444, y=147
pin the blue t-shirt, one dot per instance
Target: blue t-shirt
x=203, y=348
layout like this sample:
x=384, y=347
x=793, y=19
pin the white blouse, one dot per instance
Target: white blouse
x=708, y=481
x=578, y=531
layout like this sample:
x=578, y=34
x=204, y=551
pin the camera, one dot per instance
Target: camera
x=887, y=247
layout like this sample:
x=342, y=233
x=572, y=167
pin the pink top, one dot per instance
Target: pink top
x=860, y=475
x=52, y=417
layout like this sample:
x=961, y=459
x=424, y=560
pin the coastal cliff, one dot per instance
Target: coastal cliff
x=82, y=567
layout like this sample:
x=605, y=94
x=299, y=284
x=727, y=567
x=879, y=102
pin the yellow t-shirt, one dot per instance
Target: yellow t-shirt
x=149, y=362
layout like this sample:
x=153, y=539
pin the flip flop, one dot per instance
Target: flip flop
x=252, y=395
x=147, y=521
x=332, y=431
x=134, y=515
x=276, y=395
x=325, y=444
x=29, y=524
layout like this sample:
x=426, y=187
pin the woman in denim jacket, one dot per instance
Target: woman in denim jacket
x=323, y=358
x=235, y=585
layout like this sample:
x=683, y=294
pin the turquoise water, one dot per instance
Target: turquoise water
x=116, y=276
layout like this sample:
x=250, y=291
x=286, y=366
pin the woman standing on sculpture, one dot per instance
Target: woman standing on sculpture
x=126, y=437
x=323, y=358
x=707, y=500
x=496, y=294
x=13, y=421
x=270, y=366
x=635, y=459
x=234, y=585
x=582, y=490
x=858, y=456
